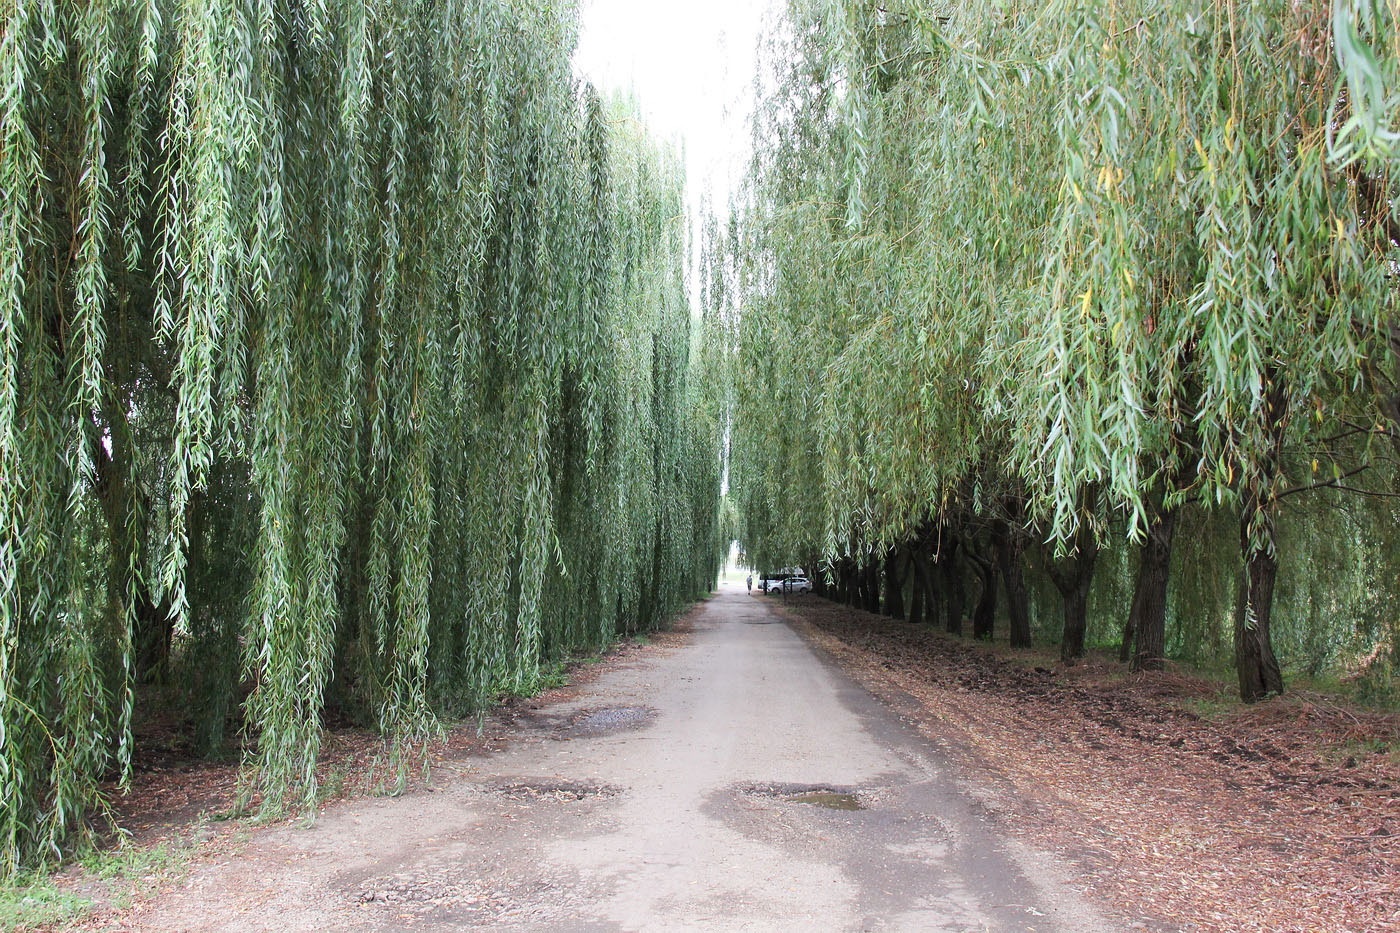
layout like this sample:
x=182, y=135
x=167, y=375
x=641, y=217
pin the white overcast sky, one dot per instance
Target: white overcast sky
x=691, y=64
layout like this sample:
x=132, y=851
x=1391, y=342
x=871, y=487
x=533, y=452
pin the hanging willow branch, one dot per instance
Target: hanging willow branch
x=345, y=365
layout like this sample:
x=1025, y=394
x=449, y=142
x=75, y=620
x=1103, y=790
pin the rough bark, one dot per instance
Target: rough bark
x=924, y=576
x=916, y=593
x=933, y=596
x=818, y=577
x=1255, y=662
x=1072, y=577
x=894, y=586
x=151, y=639
x=1125, y=642
x=872, y=585
x=1148, y=617
x=951, y=578
x=1010, y=548
x=1076, y=621
x=985, y=613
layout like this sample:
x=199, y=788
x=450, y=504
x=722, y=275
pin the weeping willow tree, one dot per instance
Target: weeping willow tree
x=347, y=368
x=1023, y=273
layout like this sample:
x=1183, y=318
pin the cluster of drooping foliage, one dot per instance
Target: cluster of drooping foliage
x=346, y=368
x=1024, y=281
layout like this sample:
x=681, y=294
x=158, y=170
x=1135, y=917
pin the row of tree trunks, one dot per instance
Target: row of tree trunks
x=857, y=584
x=935, y=567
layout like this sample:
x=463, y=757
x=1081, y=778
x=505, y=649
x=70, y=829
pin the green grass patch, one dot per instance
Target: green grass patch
x=111, y=875
x=31, y=903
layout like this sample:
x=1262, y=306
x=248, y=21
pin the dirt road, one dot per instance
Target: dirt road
x=734, y=782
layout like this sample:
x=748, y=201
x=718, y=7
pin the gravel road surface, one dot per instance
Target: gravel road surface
x=736, y=781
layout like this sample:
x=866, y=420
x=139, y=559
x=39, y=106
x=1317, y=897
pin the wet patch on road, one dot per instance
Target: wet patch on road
x=591, y=723
x=829, y=800
x=562, y=791
x=826, y=796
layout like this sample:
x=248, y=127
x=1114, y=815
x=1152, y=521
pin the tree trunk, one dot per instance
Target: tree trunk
x=1255, y=662
x=894, y=586
x=924, y=579
x=818, y=578
x=933, y=594
x=916, y=592
x=984, y=616
x=1125, y=643
x=153, y=627
x=872, y=585
x=1011, y=547
x=1148, y=617
x=1073, y=579
x=154, y=630
x=953, y=588
x=1076, y=622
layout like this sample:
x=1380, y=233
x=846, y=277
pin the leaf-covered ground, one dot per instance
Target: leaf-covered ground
x=1280, y=817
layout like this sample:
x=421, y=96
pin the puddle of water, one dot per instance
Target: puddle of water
x=830, y=800
x=597, y=722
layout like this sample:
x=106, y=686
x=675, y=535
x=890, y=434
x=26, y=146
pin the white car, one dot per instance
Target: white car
x=797, y=585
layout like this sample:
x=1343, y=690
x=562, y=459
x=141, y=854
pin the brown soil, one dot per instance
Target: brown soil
x=1278, y=817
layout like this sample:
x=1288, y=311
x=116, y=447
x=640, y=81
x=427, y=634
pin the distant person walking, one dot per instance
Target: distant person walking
x=748, y=583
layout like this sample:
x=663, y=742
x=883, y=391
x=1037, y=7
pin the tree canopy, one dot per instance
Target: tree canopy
x=347, y=369
x=1023, y=273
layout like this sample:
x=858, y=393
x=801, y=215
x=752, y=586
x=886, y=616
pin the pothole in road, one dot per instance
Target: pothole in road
x=826, y=796
x=562, y=791
x=590, y=723
x=830, y=800
x=405, y=890
x=448, y=895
